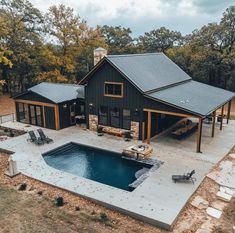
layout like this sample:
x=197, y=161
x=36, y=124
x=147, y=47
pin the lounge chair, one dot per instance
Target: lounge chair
x=43, y=137
x=184, y=178
x=34, y=139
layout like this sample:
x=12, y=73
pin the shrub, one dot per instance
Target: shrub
x=59, y=201
x=40, y=193
x=103, y=217
x=23, y=187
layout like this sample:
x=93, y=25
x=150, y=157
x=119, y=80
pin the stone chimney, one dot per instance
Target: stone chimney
x=99, y=53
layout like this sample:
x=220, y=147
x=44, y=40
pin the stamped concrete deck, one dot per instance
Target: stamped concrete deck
x=157, y=200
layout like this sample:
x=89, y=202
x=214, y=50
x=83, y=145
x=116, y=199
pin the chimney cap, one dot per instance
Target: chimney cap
x=100, y=49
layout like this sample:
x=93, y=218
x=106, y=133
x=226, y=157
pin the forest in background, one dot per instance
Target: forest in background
x=57, y=46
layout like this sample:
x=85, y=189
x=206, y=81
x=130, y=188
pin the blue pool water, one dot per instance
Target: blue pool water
x=95, y=164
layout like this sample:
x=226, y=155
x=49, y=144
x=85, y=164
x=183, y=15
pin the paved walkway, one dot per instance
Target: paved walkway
x=157, y=200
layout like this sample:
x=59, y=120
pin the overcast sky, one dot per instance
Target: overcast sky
x=144, y=15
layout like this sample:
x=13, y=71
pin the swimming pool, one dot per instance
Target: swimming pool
x=95, y=164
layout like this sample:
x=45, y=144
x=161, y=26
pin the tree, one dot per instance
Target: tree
x=22, y=36
x=64, y=28
x=118, y=39
x=160, y=40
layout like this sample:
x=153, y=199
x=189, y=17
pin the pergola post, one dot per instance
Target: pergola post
x=213, y=124
x=222, y=117
x=199, y=136
x=229, y=110
x=149, y=127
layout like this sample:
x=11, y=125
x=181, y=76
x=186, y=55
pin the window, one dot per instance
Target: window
x=23, y=113
x=114, y=117
x=126, y=119
x=113, y=89
x=103, y=115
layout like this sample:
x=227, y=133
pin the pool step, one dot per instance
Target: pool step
x=141, y=172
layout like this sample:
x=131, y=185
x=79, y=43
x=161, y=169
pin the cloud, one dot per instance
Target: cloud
x=145, y=15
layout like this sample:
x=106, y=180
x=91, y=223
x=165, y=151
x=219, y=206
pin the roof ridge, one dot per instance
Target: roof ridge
x=68, y=84
x=134, y=54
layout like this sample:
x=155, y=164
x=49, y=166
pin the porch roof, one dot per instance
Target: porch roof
x=193, y=97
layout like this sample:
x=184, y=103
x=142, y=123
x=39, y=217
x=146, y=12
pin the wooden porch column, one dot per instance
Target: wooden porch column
x=143, y=132
x=149, y=127
x=199, y=136
x=229, y=110
x=213, y=124
x=57, y=117
x=222, y=117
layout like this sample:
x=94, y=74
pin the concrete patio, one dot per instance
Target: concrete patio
x=157, y=200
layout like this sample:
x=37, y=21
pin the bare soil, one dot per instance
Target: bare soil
x=7, y=105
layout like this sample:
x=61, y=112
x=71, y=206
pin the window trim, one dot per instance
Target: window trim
x=115, y=96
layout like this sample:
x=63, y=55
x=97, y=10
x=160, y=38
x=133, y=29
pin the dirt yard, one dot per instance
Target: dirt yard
x=7, y=105
x=34, y=210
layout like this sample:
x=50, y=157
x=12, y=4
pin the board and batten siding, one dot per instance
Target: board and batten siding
x=94, y=93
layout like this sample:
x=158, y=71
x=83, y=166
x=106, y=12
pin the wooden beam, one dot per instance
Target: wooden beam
x=222, y=117
x=143, y=132
x=170, y=113
x=57, y=117
x=34, y=103
x=199, y=136
x=149, y=127
x=229, y=110
x=213, y=124
x=44, y=116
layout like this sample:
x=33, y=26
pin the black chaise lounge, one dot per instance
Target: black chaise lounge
x=34, y=139
x=184, y=178
x=43, y=137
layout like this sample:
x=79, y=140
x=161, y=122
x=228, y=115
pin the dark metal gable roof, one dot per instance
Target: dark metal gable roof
x=151, y=71
x=147, y=72
x=56, y=92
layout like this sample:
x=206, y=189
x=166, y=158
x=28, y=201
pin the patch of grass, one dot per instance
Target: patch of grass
x=20, y=212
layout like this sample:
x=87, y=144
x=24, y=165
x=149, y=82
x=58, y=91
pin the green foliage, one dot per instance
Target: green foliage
x=58, y=46
x=160, y=40
x=119, y=39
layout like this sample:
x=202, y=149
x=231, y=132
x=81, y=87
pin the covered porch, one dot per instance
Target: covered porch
x=198, y=102
x=217, y=119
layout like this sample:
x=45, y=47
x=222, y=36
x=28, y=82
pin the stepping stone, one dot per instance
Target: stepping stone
x=232, y=155
x=213, y=212
x=223, y=196
x=219, y=205
x=227, y=190
x=199, y=203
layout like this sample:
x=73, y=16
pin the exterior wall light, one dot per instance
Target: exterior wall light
x=136, y=111
x=65, y=106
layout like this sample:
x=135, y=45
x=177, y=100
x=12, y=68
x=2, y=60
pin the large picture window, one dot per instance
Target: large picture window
x=103, y=115
x=113, y=89
x=115, y=117
x=126, y=119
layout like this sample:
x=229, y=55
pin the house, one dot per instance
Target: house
x=147, y=93
x=51, y=105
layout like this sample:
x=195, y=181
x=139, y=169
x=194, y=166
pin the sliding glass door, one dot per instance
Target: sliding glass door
x=36, y=116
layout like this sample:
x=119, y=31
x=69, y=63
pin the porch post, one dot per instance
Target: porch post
x=213, y=124
x=57, y=117
x=222, y=117
x=149, y=127
x=199, y=136
x=229, y=110
x=143, y=131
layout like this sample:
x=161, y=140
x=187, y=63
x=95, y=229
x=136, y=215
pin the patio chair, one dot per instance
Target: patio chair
x=43, y=137
x=184, y=178
x=34, y=139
